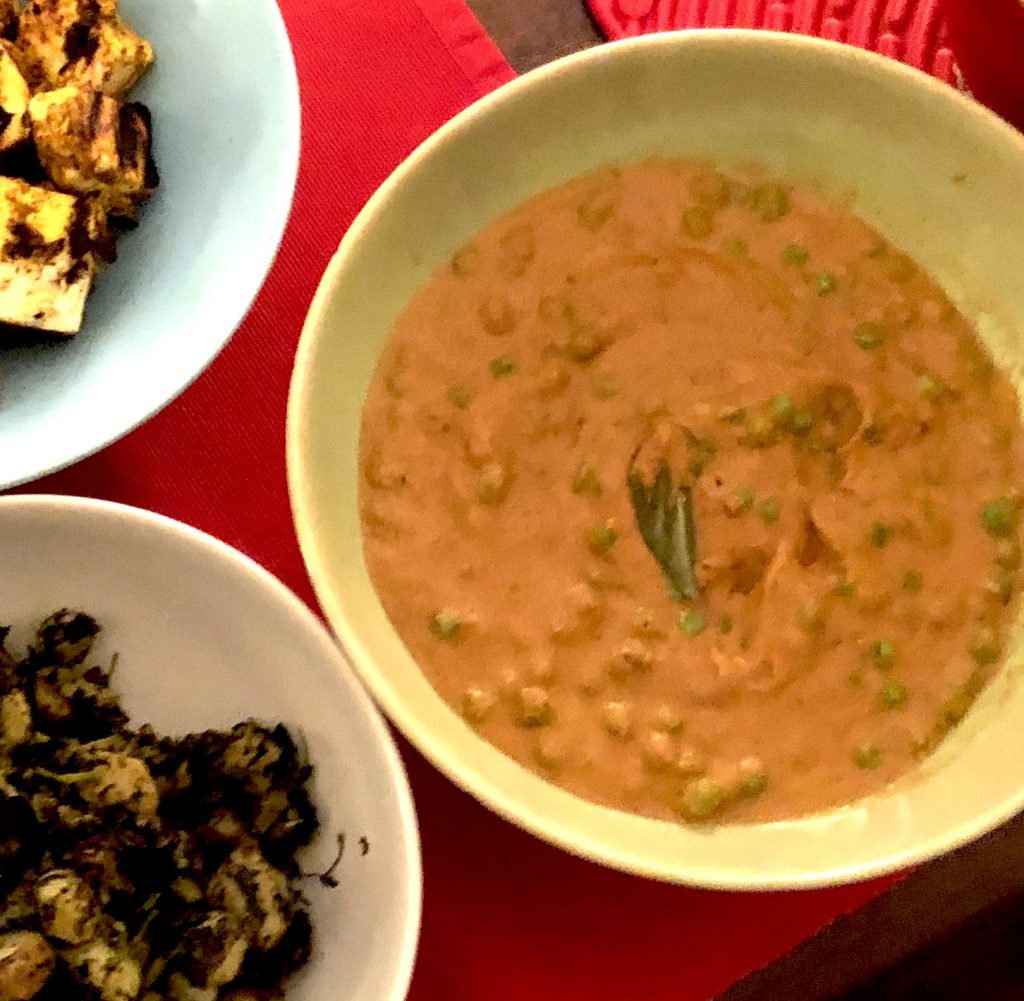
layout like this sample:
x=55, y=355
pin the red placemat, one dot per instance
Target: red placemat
x=506, y=917
x=910, y=30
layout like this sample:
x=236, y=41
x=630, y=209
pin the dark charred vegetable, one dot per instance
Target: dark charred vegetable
x=134, y=865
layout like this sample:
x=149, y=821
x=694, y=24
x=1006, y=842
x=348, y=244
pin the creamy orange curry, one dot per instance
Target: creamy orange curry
x=694, y=495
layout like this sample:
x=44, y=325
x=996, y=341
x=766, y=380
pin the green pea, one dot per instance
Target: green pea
x=701, y=798
x=460, y=397
x=999, y=517
x=601, y=538
x=867, y=756
x=586, y=483
x=794, y=254
x=770, y=201
x=692, y=622
x=825, y=283
x=913, y=581
x=725, y=626
x=745, y=498
x=698, y=222
x=880, y=535
x=769, y=510
x=893, y=695
x=502, y=366
x=782, y=408
x=883, y=653
x=845, y=589
x=868, y=336
x=446, y=624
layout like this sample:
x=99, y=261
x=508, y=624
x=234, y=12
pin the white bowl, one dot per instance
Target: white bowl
x=225, y=105
x=206, y=638
x=936, y=173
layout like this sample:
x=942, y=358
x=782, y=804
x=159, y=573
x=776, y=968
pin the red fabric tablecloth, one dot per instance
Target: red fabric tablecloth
x=506, y=917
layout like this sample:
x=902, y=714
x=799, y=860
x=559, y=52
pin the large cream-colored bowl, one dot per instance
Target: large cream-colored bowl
x=936, y=173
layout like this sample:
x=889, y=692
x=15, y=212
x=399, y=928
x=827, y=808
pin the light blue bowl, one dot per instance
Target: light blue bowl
x=225, y=104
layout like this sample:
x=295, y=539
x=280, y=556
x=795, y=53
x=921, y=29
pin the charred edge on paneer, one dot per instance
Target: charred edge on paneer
x=134, y=866
x=83, y=42
x=92, y=144
x=66, y=130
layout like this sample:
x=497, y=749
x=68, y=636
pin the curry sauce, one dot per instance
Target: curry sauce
x=844, y=457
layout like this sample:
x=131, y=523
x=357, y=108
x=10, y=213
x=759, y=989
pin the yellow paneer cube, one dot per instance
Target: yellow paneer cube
x=46, y=258
x=82, y=42
x=92, y=144
x=14, y=96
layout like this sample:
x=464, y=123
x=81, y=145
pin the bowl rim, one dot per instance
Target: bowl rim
x=279, y=212
x=475, y=780
x=213, y=549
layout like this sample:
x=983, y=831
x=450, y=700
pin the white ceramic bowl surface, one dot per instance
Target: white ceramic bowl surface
x=225, y=105
x=206, y=638
x=932, y=170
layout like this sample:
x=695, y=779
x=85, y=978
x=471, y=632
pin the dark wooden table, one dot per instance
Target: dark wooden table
x=953, y=931
x=533, y=32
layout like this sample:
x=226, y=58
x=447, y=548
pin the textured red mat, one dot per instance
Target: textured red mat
x=910, y=30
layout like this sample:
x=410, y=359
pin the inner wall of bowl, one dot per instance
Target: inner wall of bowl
x=937, y=177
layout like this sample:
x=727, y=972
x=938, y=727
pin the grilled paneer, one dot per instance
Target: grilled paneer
x=82, y=42
x=14, y=98
x=93, y=144
x=46, y=257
